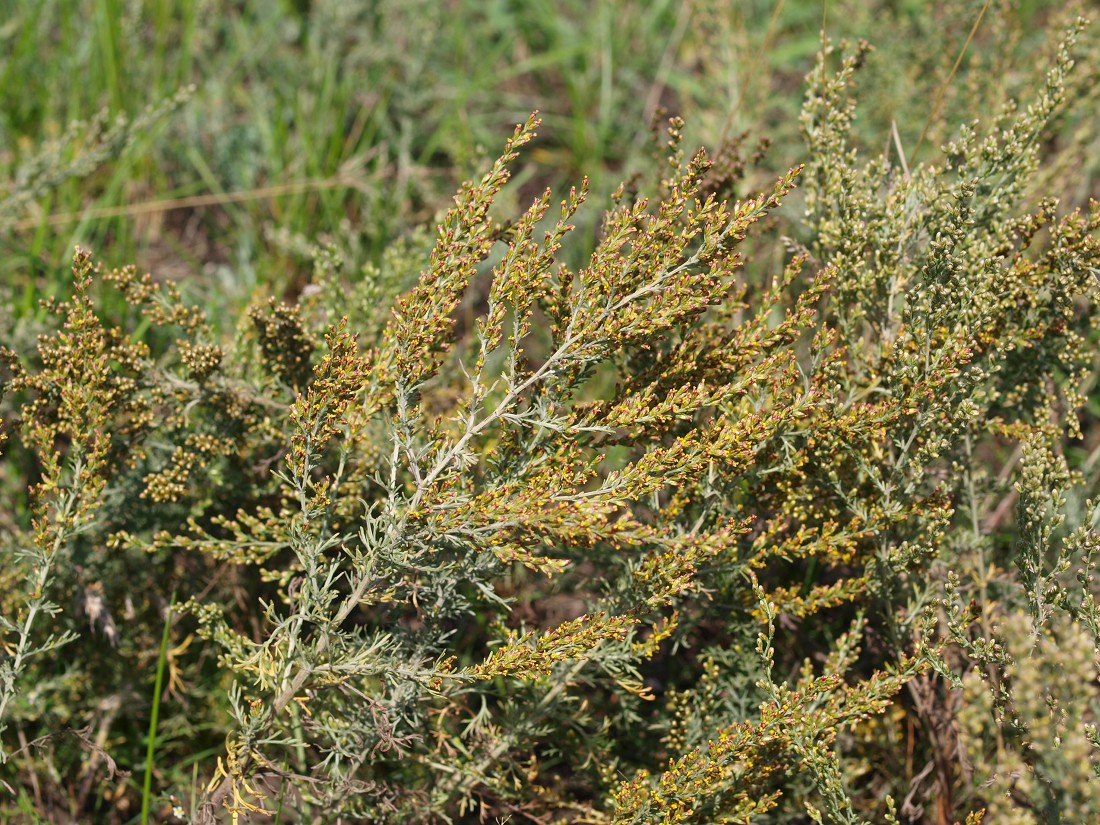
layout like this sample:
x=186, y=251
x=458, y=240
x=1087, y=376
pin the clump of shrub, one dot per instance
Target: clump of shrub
x=672, y=536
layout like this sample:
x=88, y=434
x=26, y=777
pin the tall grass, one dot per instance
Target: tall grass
x=390, y=105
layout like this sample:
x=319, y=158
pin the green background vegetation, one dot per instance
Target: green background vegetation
x=383, y=108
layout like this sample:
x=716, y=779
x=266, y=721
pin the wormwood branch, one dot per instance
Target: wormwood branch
x=71, y=399
x=631, y=293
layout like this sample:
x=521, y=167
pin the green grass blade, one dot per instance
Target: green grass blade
x=147, y=787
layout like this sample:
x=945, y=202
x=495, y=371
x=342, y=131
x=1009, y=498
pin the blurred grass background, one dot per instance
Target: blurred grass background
x=351, y=123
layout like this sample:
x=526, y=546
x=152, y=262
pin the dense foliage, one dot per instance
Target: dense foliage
x=707, y=517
